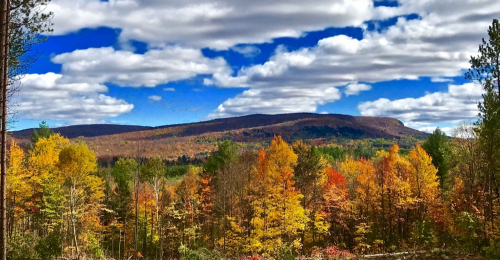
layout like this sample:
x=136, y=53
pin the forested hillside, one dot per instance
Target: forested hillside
x=362, y=126
x=84, y=130
x=199, y=139
x=282, y=200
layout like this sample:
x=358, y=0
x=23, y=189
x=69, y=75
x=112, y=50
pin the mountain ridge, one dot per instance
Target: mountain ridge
x=74, y=131
x=192, y=139
x=88, y=130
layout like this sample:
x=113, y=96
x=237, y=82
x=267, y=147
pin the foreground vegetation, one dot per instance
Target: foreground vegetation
x=278, y=202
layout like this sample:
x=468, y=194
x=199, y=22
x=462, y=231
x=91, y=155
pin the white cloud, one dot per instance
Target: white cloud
x=355, y=89
x=275, y=101
x=44, y=97
x=339, y=60
x=439, y=79
x=437, y=45
x=430, y=129
x=427, y=129
x=247, y=51
x=155, y=98
x=169, y=89
x=218, y=24
x=459, y=103
x=127, y=69
x=73, y=96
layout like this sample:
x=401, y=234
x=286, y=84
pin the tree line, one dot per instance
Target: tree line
x=286, y=199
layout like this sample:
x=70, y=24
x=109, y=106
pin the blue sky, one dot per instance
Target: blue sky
x=162, y=62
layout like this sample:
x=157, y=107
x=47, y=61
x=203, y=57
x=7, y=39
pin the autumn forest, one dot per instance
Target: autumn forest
x=295, y=198
x=285, y=200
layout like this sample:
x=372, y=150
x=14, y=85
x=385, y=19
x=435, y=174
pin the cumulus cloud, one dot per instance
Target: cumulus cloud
x=430, y=129
x=339, y=60
x=439, y=79
x=169, y=89
x=437, y=45
x=275, y=101
x=127, y=69
x=84, y=73
x=459, y=103
x=218, y=24
x=154, y=98
x=247, y=51
x=44, y=97
x=355, y=89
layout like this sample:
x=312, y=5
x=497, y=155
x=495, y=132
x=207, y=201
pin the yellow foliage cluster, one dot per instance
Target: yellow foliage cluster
x=56, y=180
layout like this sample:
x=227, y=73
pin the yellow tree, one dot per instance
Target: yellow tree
x=351, y=169
x=44, y=156
x=401, y=196
x=18, y=186
x=425, y=186
x=392, y=175
x=84, y=191
x=154, y=171
x=424, y=179
x=259, y=202
x=367, y=189
x=368, y=198
x=42, y=166
x=278, y=214
x=188, y=205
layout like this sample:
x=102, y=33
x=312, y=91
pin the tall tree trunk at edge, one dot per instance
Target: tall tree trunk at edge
x=4, y=55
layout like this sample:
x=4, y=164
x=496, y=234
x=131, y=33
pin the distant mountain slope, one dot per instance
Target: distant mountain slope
x=388, y=126
x=194, y=139
x=290, y=126
x=85, y=130
x=394, y=126
x=201, y=138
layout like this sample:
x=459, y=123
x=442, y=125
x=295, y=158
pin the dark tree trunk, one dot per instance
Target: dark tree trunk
x=4, y=53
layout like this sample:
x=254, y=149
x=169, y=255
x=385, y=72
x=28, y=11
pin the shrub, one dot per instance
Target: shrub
x=284, y=253
x=94, y=248
x=49, y=247
x=22, y=247
x=422, y=233
x=32, y=247
x=468, y=227
x=362, y=246
x=493, y=250
x=199, y=254
x=253, y=257
x=332, y=252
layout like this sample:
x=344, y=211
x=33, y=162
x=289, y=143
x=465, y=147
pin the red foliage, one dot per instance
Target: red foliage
x=254, y=257
x=335, y=178
x=332, y=252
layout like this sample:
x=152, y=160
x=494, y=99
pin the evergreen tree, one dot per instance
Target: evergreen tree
x=43, y=131
x=437, y=146
x=485, y=71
